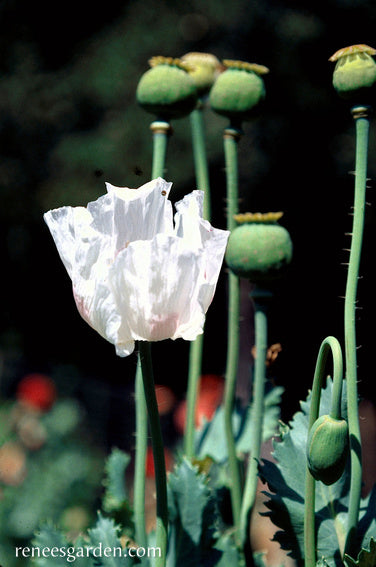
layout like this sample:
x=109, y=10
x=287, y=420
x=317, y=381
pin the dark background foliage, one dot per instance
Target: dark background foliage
x=69, y=121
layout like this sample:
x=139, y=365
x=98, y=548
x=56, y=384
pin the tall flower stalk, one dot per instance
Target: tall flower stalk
x=261, y=344
x=203, y=69
x=158, y=452
x=361, y=117
x=230, y=139
x=236, y=94
x=259, y=249
x=146, y=403
x=169, y=92
x=354, y=79
x=140, y=459
x=196, y=347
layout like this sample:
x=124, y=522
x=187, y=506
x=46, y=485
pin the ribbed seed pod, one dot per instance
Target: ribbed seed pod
x=238, y=90
x=259, y=248
x=167, y=90
x=354, y=76
x=327, y=448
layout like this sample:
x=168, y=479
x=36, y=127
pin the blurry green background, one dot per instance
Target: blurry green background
x=69, y=122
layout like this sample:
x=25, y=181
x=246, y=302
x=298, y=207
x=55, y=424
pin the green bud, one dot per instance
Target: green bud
x=354, y=76
x=259, y=248
x=238, y=90
x=167, y=90
x=327, y=448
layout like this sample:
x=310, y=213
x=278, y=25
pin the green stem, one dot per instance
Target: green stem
x=194, y=373
x=231, y=137
x=140, y=458
x=161, y=132
x=196, y=347
x=330, y=344
x=250, y=489
x=158, y=452
x=199, y=156
x=361, y=117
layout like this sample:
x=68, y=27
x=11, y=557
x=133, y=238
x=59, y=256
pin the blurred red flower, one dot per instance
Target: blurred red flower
x=210, y=396
x=165, y=399
x=37, y=391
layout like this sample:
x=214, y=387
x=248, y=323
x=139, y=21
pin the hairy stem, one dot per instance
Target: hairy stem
x=361, y=117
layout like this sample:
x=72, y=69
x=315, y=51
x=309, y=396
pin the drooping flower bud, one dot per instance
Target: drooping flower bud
x=238, y=90
x=204, y=69
x=327, y=448
x=167, y=90
x=259, y=248
x=354, y=76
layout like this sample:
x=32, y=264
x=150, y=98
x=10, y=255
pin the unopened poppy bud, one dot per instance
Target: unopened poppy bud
x=354, y=76
x=167, y=90
x=327, y=448
x=204, y=69
x=238, y=90
x=259, y=248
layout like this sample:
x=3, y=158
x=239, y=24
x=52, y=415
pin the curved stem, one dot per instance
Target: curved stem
x=196, y=347
x=361, y=117
x=330, y=344
x=249, y=497
x=161, y=132
x=231, y=137
x=141, y=449
x=158, y=452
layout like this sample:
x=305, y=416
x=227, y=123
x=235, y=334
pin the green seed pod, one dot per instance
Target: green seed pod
x=327, y=448
x=259, y=248
x=238, y=90
x=204, y=69
x=167, y=90
x=354, y=76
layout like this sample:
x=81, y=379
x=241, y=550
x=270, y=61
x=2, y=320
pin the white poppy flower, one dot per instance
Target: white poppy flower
x=137, y=273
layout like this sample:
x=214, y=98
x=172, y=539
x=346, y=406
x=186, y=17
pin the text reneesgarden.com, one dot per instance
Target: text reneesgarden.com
x=71, y=553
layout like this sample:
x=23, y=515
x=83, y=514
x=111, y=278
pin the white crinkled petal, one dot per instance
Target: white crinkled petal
x=62, y=227
x=188, y=218
x=87, y=257
x=190, y=226
x=156, y=287
x=135, y=276
x=126, y=215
